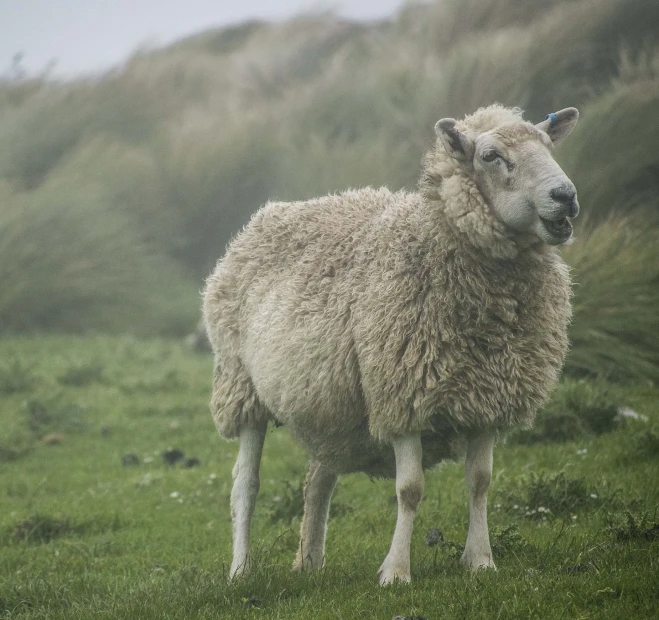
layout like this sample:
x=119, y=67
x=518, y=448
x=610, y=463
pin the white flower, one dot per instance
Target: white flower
x=584, y=451
x=212, y=476
x=593, y=495
x=174, y=494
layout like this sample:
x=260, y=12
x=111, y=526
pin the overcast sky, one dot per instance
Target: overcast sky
x=85, y=36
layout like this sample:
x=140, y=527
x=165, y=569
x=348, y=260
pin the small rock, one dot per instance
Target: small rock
x=171, y=457
x=53, y=439
x=130, y=460
x=630, y=414
x=193, y=462
x=434, y=537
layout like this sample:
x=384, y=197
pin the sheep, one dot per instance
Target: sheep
x=391, y=331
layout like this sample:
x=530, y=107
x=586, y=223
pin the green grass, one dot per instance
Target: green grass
x=82, y=536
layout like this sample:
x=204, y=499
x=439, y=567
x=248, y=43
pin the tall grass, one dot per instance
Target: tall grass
x=120, y=192
x=615, y=329
x=69, y=263
x=613, y=155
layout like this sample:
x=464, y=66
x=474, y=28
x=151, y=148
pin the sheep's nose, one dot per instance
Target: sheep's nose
x=567, y=196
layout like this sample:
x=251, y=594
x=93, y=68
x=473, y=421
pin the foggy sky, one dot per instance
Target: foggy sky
x=85, y=36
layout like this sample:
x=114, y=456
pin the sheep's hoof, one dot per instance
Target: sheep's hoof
x=476, y=562
x=389, y=574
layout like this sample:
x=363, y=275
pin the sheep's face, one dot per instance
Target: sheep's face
x=515, y=172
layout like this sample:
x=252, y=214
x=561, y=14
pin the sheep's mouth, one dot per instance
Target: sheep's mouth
x=560, y=230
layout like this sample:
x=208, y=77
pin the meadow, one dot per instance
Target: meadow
x=119, y=191
x=102, y=518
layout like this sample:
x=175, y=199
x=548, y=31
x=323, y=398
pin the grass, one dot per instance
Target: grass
x=118, y=194
x=87, y=533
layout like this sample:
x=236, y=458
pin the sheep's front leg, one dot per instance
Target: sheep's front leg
x=318, y=488
x=243, y=495
x=478, y=473
x=409, y=491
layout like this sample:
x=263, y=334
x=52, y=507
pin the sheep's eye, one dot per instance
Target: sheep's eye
x=490, y=155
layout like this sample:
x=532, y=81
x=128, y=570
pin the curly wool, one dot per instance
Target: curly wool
x=358, y=317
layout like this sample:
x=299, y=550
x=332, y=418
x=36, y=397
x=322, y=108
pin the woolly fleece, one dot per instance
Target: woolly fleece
x=358, y=317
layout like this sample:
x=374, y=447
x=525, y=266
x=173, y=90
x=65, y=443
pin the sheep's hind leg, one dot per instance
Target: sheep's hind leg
x=409, y=491
x=318, y=488
x=243, y=495
x=478, y=473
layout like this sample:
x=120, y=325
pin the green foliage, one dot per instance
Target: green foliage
x=42, y=528
x=70, y=263
x=15, y=377
x=82, y=375
x=612, y=156
x=543, y=496
x=287, y=506
x=576, y=410
x=54, y=416
x=152, y=541
x=615, y=325
x=118, y=194
x=646, y=445
x=633, y=527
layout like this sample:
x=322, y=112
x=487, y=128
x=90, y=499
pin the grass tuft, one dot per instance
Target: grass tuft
x=545, y=496
x=634, y=527
x=288, y=505
x=40, y=528
x=82, y=375
x=15, y=377
x=576, y=410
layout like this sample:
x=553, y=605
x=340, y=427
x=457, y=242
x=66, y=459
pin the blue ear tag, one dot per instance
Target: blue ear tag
x=552, y=119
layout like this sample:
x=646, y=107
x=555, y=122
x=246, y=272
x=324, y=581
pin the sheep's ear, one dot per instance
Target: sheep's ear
x=558, y=125
x=457, y=145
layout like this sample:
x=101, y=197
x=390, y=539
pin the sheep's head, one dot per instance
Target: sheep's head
x=514, y=170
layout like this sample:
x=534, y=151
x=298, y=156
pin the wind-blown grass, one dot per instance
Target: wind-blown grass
x=613, y=154
x=615, y=326
x=69, y=263
x=132, y=183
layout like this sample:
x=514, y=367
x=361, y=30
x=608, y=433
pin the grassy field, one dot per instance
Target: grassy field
x=88, y=531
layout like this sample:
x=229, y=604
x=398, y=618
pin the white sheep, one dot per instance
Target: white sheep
x=390, y=331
